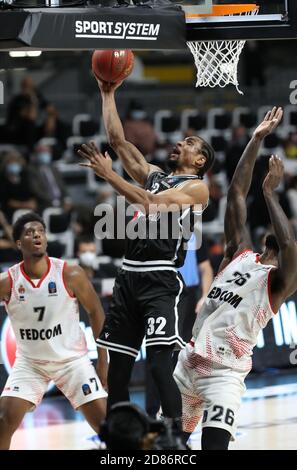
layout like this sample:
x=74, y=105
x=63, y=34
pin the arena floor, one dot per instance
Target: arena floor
x=268, y=420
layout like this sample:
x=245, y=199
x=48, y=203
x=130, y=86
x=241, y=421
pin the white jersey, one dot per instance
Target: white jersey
x=44, y=316
x=236, y=309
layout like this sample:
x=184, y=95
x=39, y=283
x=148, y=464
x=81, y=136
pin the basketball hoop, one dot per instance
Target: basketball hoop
x=217, y=61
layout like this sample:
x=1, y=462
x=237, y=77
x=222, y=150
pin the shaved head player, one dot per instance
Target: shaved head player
x=248, y=290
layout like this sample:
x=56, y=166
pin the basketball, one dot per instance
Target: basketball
x=112, y=65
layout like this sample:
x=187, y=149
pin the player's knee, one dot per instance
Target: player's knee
x=154, y=366
x=159, y=361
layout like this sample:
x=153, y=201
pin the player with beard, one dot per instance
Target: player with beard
x=41, y=295
x=148, y=288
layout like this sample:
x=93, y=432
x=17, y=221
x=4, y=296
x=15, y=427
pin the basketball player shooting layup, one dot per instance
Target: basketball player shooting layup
x=247, y=292
x=148, y=288
x=41, y=296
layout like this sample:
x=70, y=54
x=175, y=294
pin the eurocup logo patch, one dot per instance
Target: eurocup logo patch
x=52, y=288
x=8, y=345
x=21, y=291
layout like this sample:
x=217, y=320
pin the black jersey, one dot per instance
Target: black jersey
x=151, y=245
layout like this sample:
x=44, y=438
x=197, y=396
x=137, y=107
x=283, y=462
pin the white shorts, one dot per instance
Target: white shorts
x=77, y=380
x=211, y=394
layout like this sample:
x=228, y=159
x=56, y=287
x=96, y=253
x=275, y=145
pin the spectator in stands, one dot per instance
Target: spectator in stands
x=198, y=276
x=21, y=125
x=8, y=251
x=15, y=188
x=139, y=130
x=28, y=91
x=215, y=195
x=25, y=125
x=46, y=181
x=291, y=146
x=292, y=195
x=235, y=149
x=86, y=253
x=54, y=127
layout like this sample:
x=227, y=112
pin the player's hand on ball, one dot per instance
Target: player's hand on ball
x=270, y=123
x=107, y=87
x=275, y=174
x=99, y=163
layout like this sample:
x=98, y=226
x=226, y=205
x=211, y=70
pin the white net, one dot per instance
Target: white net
x=217, y=61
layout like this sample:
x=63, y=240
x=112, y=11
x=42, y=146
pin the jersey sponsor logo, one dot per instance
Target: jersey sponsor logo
x=225, y=296
x=31, y=334
x=21, y=291
x=116, y=30
x=52, y=288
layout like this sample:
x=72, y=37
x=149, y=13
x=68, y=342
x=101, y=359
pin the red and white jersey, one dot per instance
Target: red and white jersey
x=236, y=309
x=44, y=316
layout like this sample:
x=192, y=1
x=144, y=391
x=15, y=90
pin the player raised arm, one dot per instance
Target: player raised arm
x=284, y=278
x=79, y=285
x=190, y=193
x=132, y=159
x=236, y=233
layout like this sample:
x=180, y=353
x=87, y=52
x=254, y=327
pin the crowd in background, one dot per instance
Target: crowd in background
x=33, y=141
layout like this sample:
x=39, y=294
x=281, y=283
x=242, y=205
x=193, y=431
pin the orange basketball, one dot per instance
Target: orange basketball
x=112, y=65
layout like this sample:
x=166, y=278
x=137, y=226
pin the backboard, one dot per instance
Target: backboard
x=206, y=20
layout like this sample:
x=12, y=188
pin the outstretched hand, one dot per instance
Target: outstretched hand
x=107, y=87
x=270, y=123
x=99, y=163
x=275, y=174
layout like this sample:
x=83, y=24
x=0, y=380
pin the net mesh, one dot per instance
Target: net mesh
x=217, y=61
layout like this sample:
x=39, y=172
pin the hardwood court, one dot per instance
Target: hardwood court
x=268, y=420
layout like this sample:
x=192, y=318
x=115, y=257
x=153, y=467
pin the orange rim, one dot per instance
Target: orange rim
x=224, y=10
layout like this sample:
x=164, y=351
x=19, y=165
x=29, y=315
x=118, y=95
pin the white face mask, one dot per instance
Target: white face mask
x=88, y=259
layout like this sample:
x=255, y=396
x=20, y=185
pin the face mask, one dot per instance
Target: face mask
x=138, y=115
x=88, y=259
x=14, y=169
x=44, y=158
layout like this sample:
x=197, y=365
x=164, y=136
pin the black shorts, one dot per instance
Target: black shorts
x=143, y=304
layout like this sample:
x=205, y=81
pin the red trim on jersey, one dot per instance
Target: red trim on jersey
x=257, y=258
x=71, y=294
x=40, y=280
x=269, y=291
x=233, y=259
x=11, y=284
